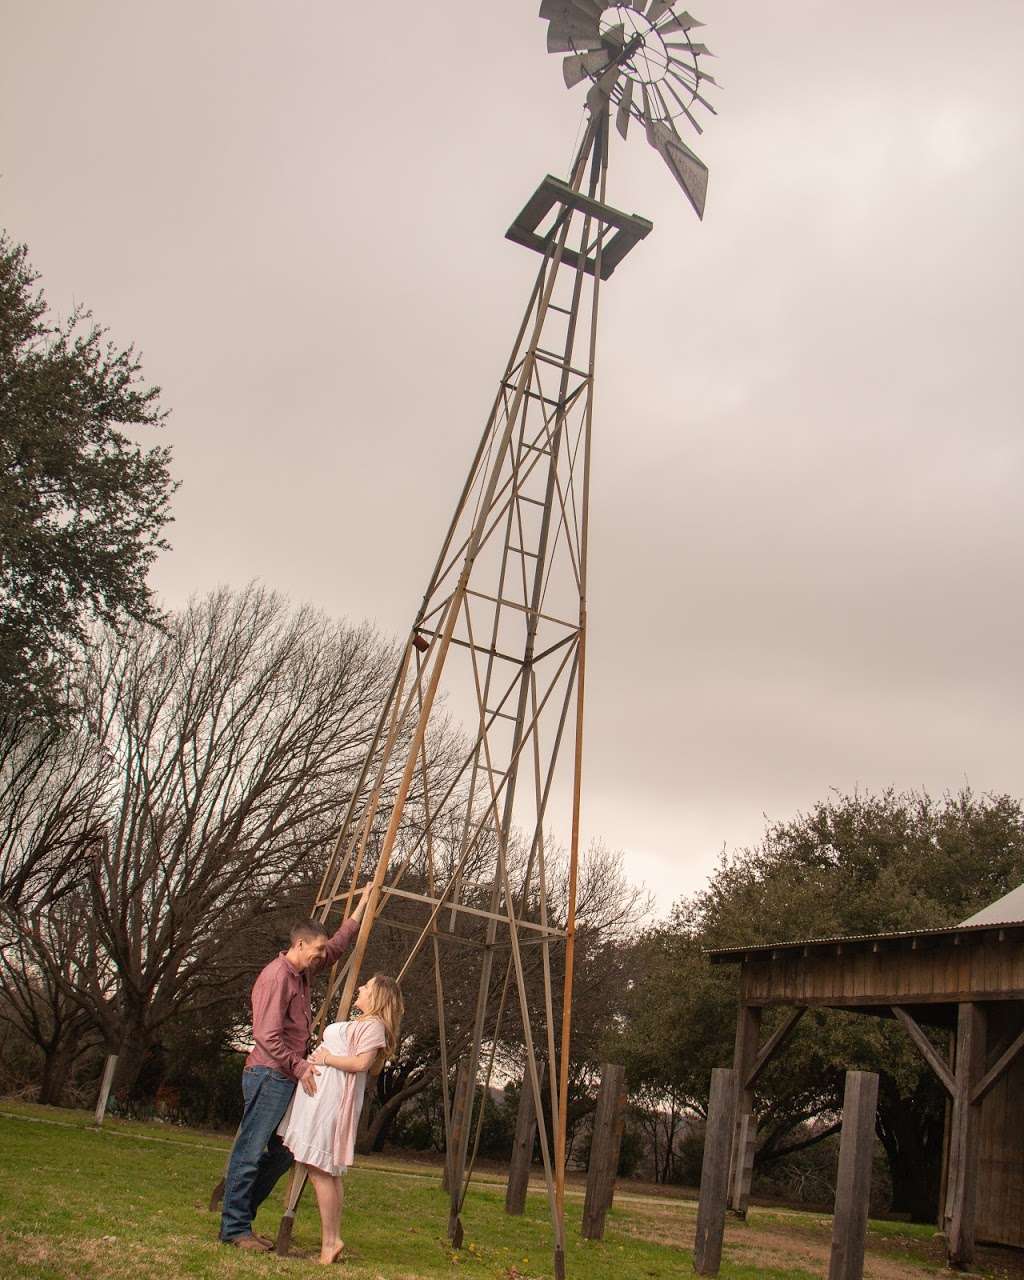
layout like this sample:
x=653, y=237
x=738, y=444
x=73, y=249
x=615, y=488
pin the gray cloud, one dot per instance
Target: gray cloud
x=807, y=531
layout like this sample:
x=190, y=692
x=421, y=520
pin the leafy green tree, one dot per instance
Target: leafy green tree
x=82, y=505
x=853, y=864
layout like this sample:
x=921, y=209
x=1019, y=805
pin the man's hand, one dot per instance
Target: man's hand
x=308, y=1080
x=364, y=897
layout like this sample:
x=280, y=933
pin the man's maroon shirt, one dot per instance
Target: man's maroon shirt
x=281, y=1014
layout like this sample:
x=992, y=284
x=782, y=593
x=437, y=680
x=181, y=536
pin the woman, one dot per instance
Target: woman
x=320, y=1131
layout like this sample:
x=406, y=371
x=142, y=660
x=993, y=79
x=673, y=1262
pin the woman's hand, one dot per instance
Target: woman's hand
x=320, y=1057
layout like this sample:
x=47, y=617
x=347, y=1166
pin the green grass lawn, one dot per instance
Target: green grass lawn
x=130, y=1201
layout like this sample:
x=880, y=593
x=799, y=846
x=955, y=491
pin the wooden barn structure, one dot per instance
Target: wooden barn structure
x=967, y=980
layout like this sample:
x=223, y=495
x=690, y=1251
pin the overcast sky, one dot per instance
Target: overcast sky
x=807, y=529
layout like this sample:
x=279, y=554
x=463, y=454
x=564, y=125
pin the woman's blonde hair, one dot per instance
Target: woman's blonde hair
x=384, y=1001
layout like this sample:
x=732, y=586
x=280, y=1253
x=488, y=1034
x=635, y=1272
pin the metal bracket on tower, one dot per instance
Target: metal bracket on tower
x=630, y=228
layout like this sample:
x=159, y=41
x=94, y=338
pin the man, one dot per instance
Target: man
x=281, y=1025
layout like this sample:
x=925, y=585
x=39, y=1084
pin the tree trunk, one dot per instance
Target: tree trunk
x=131, y=1057
x=56, y=1066
x=377, y=1129
x=911, y=1134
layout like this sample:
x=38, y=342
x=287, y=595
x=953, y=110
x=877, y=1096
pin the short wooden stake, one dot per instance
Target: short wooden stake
x=522, y=1147
x=714, y=1174
x=609, y=1119
x=108, y=1079
x=296, y=1185
x=853, y=1181
x=217, y=1196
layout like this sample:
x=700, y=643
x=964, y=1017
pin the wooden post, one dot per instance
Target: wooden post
x=853, y=1182
x=609, y=1120
x=522, y=1147
x=454, y=1169
x=964, y=1137
x=108, y=1079
x=292, y=1196
x=744, y=1135
x=714, y=1173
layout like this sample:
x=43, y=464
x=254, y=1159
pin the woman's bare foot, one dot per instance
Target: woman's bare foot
x=331, y=1252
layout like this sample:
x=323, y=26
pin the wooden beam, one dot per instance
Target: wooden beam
x=926, y=1049
x=965, y=1136
x=714, y=1174
x=522, y=1147
x=992, y=1075
x=609, y=1119
x=853, y=1181
x=741, y=1163
x=772, y=1045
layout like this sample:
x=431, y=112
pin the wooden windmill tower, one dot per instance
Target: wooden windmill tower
x=501, y=633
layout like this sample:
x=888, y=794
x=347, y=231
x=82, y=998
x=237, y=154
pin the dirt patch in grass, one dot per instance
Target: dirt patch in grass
x=774, y=1240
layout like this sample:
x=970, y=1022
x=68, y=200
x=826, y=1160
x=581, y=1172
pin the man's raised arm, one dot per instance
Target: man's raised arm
x=345, y=936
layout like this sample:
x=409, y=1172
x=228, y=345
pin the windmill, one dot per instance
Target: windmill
x=501, y=632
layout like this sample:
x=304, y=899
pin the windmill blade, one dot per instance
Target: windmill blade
x=615, y=35
x=689, y=75
x=579, y=8
x=584, y=34
x=600, y=96
x=683, y=70
x=569, y=17
x=625, y=103
x=683, y=106
x=679, y=22
x=559, y=41
x=688, y=169
x=656, y=8
x=581, y=65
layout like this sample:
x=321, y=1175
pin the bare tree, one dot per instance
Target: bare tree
x=234, y=736
x=54, y=787
x=36, y=984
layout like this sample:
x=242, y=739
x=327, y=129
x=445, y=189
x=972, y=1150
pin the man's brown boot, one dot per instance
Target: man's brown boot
x=249, y=1242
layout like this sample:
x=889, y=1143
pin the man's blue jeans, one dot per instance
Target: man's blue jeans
x=259, y=1157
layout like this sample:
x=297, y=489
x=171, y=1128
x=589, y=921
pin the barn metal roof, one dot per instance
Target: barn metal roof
x=859, y=941
x=1005, y=910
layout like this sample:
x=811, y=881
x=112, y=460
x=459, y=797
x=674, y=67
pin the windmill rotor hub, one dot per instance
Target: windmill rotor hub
x=622, y=25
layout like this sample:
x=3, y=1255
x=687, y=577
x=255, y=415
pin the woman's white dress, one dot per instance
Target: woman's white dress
x=321, y=1130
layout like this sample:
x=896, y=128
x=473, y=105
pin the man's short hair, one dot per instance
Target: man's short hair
x=306, y=931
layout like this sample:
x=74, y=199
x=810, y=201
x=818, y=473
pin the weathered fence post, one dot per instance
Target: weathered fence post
x=609, y=1119
x=714, y=1173
x=853, y=1181
x=462, y=1118
x=965, y=1137
x=744, y=1129
x=108, y=1079
x=455, y=1123
x=522, y=1146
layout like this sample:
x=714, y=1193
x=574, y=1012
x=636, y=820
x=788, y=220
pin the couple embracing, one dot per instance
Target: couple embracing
x=299, y=1108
